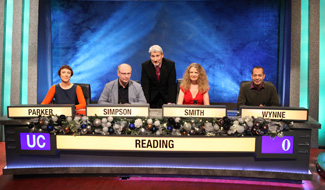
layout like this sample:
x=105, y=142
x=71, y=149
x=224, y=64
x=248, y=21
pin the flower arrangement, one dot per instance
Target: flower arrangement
x=82, y=125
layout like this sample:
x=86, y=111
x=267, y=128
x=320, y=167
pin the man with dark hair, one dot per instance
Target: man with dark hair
x=158, y=78
x=258, y=92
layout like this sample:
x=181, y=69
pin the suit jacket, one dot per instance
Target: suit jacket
x=165, y=87
x=110, y=93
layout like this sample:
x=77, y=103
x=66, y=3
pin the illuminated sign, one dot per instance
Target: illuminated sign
x=171, y=144
x=24, y=111
x=277, y=145
x=197, y=111
x=35, y=141
x=119, y=110
x=275, y=113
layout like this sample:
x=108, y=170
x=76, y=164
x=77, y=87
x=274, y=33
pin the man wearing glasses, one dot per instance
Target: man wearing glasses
x=122, y=90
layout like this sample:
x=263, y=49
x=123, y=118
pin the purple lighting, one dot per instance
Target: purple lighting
x=35, y=141
x=277, y=145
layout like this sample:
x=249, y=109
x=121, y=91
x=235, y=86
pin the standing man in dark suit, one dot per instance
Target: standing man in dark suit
x=158, y=78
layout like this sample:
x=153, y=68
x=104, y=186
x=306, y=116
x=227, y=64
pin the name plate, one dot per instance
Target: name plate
x=275, y=113
x=118, y=110
x=197, y=111
x=170, y=144
x=26, y=111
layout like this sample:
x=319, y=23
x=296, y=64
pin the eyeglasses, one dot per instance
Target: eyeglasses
x=125, y=74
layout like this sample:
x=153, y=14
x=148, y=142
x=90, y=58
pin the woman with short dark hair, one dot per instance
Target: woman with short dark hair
x=66, y=92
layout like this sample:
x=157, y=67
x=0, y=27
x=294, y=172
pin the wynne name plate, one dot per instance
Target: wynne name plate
x=197, y=111
x=118, y=110
x=25, y=111
x=275, y=113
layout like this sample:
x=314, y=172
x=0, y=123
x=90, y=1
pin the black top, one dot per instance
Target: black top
x=66, y=96
x=267, y=96
x=123, y=94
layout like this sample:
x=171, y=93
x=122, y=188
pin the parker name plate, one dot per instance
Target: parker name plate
x=197, y=111
x=170, y=144
x=275, y=113
x=118, y=110
x=25, y=111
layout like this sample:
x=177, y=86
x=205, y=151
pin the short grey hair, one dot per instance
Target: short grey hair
x=155, y=48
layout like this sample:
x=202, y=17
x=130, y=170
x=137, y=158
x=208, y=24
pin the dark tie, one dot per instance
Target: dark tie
x=158, y=72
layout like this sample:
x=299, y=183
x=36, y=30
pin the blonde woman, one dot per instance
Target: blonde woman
x=194, y=87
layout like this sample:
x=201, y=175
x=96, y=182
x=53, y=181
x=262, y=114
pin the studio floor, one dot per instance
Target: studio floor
x=145, y=183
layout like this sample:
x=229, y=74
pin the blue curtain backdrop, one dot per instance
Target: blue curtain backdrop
x=227, y=37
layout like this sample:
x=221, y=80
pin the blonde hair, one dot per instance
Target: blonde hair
x=202, y=81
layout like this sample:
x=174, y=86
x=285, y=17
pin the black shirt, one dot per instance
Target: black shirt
x=123, y=94
x=66, y=96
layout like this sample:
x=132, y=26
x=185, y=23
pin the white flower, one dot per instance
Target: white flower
x=232, y=130
x=236, y=122
x=157, y=123
x=208, y=127
x=247, y=119
x=138, y=123
x=240, y=129
x=260, y=119
x=99, y=130
x=187, y=126
x=105, y=129
x=54, y=118
x=273, y=128
x=110, y=119
x=118, y=132
x=216, y=127
x=104, y=120
x=280, y=134
x=123, y=123
x=149, y=121
x=77, y=118
x=240, y=120
x=210, y=134
x=177, y=119
x=108, y=124
x=116, y=127
x=84, y=118
x=69, y=118
x=250, y=124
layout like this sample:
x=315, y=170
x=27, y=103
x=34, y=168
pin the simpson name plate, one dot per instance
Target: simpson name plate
x=24, y=111
x=170, y=144
x=118, y=110
x=197, y=111
x=275, y=113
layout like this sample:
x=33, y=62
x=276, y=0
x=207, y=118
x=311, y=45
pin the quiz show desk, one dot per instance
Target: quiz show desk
x=263, y=157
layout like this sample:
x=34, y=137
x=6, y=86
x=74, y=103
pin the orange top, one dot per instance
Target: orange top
x=81, y=98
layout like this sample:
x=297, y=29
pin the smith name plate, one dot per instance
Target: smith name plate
x=275, y=113
x=196, y=111
x=118, y=110
x=26, y=111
